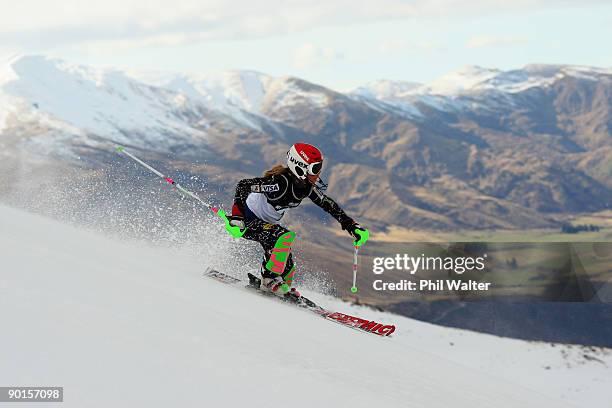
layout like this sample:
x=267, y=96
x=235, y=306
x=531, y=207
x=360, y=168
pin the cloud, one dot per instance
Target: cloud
x=398, y=46
x=309, y=55
x=57, y=23
x=7, y=53
x=491, y=41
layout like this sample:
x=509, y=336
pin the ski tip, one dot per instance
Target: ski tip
x=120, y=149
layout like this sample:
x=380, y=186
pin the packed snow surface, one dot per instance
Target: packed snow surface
x=125, y=324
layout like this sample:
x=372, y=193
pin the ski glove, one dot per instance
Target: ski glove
x=236, y=221
x=357, y=231
x=237, y=217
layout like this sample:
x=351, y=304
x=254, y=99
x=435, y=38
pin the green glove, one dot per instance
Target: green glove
x=360, y=234
x=234, y=226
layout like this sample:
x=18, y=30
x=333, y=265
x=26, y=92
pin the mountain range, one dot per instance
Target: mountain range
x=477, y=148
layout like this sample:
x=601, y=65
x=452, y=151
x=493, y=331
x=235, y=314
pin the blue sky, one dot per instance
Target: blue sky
x=338, y=43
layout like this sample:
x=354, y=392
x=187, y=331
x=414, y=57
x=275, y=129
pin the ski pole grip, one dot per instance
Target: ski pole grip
x=363, y=237
x=233, y=230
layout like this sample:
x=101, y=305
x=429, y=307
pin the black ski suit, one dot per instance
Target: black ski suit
x=278, y=193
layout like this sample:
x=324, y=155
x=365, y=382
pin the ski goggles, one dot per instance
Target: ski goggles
x=313, y=169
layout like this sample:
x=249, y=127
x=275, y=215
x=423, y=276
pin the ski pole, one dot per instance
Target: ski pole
x=233, y=230
x=355, y=266
x=363, y=235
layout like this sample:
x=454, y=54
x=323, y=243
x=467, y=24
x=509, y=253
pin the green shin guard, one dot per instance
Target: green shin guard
x=279, y=257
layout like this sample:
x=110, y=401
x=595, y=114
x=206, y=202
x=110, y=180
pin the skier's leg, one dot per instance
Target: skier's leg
x=278, y=269
x=278, y=266
x=289, y=274
x=280, y=255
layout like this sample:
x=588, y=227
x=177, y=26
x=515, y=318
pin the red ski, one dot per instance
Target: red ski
x=357, y=323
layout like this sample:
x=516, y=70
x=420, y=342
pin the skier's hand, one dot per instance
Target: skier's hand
x=351, y=229
x=237, y=217
x=357, y=231
x=236, y=221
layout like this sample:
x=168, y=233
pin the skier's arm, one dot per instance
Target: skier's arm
x=330, y=207
x=347, y=223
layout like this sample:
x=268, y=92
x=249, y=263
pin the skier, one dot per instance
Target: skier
x=259, y=205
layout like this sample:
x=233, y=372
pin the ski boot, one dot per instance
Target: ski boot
x=274, y=285
x=293, y=296
x=279, y=287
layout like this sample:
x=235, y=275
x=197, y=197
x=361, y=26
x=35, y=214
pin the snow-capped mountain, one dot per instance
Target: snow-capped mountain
x=243, y=89
x=385, y=89
x=231, y=92
x=474, y=79
x=388, y=96
x=109, y=104
x=491, y=148
x=236, y=92
x=82, y=101
x=474, y=85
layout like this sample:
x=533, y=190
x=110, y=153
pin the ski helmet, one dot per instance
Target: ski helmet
x=305, y=161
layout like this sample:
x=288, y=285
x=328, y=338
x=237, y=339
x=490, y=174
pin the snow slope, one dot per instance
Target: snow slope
x=123, y=324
